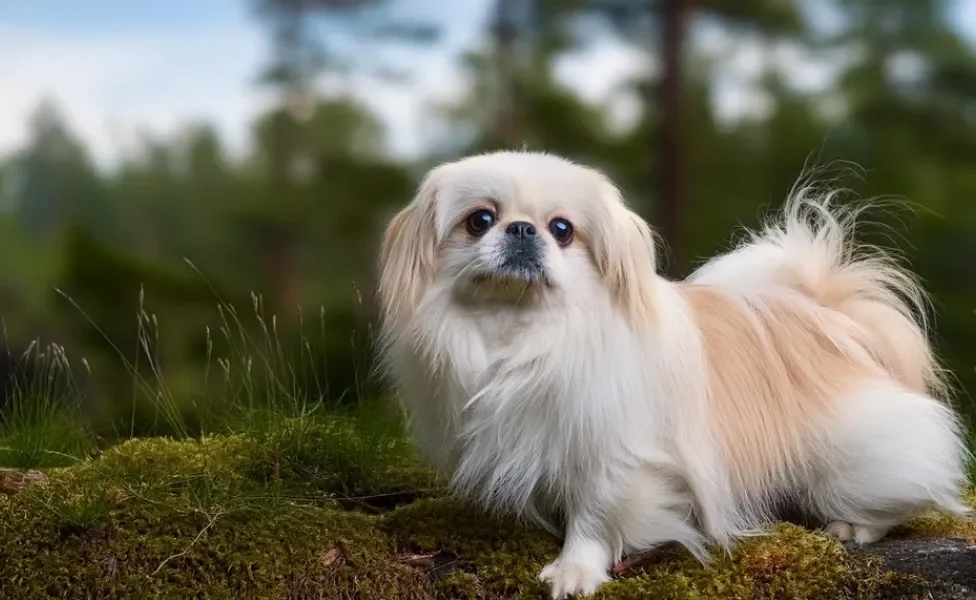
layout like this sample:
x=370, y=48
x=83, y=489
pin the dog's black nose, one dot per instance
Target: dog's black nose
x=520, y=229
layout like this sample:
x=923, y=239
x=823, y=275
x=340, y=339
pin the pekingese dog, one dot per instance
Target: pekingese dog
x=549, y=369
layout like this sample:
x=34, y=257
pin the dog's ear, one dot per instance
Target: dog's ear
x=624, y=253
x=408, y=257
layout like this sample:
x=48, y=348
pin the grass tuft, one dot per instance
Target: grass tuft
x=41, y=424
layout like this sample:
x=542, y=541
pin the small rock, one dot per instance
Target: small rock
x=13, y=481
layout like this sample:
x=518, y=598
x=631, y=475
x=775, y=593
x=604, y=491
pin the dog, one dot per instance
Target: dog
x=555, y=375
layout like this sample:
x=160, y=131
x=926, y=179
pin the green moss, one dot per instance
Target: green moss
x=936, y=525
x=942, y=525
x=458, y=584
x=500, y=559
x=144, y=550
x=186, y=475
x=164, y=519
x=504, y=557
x=339, y=456
x=231, y=517
x=792, y=563
x=170, y=464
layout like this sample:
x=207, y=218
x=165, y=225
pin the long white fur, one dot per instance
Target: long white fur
x=590, y=404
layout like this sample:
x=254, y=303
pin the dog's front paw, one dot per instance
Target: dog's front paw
x=568, y=576
x=860, y=535
x=840, y=531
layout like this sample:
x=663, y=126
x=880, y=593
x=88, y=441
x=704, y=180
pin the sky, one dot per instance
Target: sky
x=118, y=68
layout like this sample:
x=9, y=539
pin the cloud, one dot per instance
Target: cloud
x=744, y=58
x=113, y=84
x=597, y=74
x=962, y=14
x=109, y=87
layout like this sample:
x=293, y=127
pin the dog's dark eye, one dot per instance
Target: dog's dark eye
x=480, y=221
x=562, y=230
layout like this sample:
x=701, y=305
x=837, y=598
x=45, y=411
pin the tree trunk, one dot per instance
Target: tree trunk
x=282, y=262
x=670, y=151
x=281, y=251
x=505, y=131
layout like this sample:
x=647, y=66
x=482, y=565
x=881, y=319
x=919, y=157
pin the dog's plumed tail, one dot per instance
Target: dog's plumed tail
x=810, y=248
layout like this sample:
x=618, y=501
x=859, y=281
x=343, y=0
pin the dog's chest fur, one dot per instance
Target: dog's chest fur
x=526, y=397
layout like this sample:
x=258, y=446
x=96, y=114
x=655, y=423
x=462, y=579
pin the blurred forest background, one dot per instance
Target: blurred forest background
x=85, y=250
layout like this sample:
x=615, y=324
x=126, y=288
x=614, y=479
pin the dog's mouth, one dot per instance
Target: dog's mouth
x=512, y=277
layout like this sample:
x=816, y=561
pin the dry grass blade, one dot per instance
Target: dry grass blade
x=420, y=561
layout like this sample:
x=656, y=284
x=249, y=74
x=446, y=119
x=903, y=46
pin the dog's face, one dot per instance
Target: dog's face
x=514, y=227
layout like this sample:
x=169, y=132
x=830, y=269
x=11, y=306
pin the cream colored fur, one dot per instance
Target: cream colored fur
x=623, y=410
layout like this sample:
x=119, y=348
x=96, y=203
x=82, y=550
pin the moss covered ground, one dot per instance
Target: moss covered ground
x=314, y=508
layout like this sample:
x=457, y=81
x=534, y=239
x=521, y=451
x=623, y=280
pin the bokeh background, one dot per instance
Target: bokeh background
x=162, y=161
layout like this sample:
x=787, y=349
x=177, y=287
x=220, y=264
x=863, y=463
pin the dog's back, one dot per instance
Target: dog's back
x=809, y=339
x=811, y=249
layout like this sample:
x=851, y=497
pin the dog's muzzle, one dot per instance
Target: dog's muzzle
x=522, y=252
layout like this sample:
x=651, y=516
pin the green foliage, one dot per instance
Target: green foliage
x=55, y=181
x=25, y=282
x=107, y=284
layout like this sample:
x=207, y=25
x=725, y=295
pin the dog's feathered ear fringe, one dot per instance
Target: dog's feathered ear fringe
x=623, y=247
x=408, y=256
